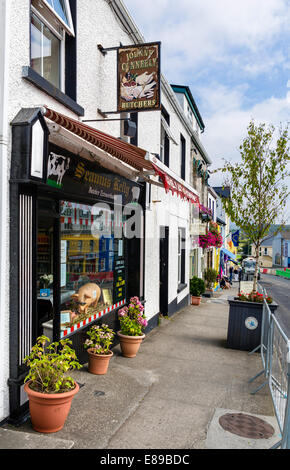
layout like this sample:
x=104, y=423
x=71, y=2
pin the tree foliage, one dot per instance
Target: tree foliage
x=258, y=185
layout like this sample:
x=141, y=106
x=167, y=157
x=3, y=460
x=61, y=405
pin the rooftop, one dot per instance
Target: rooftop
x=186, y=91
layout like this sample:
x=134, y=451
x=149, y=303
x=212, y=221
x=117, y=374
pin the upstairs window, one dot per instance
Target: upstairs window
x=50, y=21
x=56, y=12
x=182, y=156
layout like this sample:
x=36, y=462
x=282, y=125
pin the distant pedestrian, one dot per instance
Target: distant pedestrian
x=236, y=274
x=231, y=274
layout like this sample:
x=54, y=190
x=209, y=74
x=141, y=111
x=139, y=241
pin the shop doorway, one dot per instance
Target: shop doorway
x=163, y=262
x=46, y=232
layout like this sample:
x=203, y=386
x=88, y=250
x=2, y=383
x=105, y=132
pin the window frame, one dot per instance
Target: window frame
x=181, y=252
x=69, y=28
x=182, y=157
x=60, y=37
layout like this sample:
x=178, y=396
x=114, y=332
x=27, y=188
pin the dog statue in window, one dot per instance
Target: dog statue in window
x=87, y=296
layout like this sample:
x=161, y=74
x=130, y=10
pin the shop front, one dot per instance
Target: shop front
x=73, y=260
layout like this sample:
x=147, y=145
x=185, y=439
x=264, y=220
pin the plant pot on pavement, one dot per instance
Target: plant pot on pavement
x=195, y=300
x=98, y=363
x=197, y=289
x=130, y=344
x=49, y=411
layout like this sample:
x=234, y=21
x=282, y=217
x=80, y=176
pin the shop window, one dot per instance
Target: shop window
x=92, y=264
x=50, y=21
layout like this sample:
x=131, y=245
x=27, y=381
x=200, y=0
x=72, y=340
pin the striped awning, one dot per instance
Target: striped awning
x=127, y=153
x=174, y=184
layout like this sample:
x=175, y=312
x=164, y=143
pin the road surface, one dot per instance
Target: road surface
x=279, y=289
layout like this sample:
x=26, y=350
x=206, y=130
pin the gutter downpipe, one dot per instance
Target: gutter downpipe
x=4, y=259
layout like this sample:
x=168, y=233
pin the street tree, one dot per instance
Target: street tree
x=258, y=184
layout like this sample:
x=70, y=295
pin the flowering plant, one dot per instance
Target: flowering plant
x=100, y=339
x=48, y=366
x=132, y=318
x=205, y=210
x=46, y=280
x=210, y=239
x=254, y=297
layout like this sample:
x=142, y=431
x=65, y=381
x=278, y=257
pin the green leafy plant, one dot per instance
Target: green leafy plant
x=132, y=318
x=210, y=276
x=100, y=339
x=258, y=189
x=197, y=286
x=49, y=365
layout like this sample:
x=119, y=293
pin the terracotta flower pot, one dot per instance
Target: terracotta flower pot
x=99, y=363
x=195, y=300
x=130, y=344
x=48, y=411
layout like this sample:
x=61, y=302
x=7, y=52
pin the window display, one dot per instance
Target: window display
x=92, y=270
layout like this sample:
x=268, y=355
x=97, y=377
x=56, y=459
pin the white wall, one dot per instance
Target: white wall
x=4, y=213
x=96, y=79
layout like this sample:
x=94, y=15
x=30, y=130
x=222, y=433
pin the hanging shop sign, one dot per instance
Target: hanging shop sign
x=69, y=172
x=139, y=77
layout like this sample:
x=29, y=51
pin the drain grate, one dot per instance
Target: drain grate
x=246, y=426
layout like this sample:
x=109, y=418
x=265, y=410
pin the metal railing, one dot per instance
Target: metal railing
x=275, y=355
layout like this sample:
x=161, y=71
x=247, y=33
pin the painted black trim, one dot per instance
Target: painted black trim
x=134, y=118
x=71, y=56
x=163, y=269
x=181, y=287
x=33, y=77
x=175, y=306
x=152, y=323
x=183, y=157
x=22, y=126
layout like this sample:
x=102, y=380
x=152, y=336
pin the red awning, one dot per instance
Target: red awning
x=171, y=184
x=130, y=154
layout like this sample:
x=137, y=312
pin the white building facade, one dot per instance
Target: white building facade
x=55, y=75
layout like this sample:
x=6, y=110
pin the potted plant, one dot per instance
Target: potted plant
x=197, y=288
x=46, y=280
x=49, y=389
x=132, y=322
x=98, y=348
x=210, y=277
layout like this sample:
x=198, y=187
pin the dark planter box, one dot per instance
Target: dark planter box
x=245, y=322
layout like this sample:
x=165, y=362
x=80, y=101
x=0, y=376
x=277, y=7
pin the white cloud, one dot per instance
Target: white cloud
x=207, y=44
x=227, y=120
x=196, y=31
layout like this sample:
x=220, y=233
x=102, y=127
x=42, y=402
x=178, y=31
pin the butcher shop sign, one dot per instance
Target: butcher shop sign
x=139, y=77
x=68, y=172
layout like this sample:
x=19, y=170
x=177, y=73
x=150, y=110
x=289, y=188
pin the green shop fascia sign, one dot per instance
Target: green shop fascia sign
x=71, y=173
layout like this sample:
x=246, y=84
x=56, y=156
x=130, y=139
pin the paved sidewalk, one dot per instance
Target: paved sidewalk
x=169, y=396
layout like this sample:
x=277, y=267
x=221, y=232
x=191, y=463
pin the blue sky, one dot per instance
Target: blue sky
x=233, y=54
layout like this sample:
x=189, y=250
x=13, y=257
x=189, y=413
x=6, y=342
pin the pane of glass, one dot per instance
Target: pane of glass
x=45, y=52
x=35, y=45
x=92, y=265
x=59, y=8
x=51, y=57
